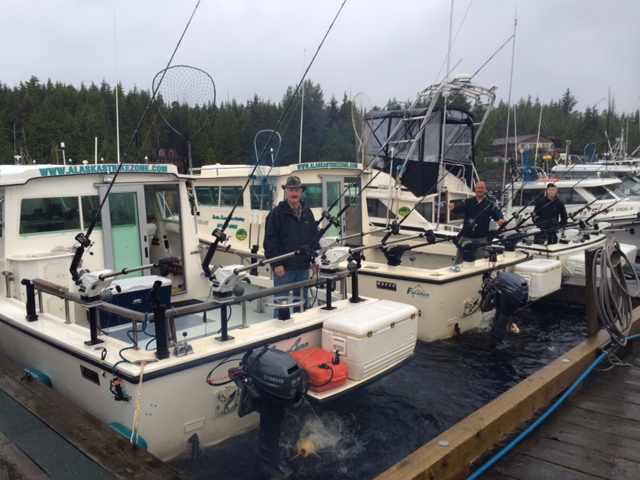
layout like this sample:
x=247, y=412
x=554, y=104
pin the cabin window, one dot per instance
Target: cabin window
x=262, y=196
x=312, y=196
x=570, y=196
x=169, y=204
x=229, y=196
x=224, y=196
x=527, y=197
x=52, y=214
x=601, y=193
x=377, y=208
x=208, y=196
x=90, y=205
x=426, y=210
x=352, y=192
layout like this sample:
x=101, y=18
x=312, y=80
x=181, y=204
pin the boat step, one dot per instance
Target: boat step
x=37, y=374
x=126, y=432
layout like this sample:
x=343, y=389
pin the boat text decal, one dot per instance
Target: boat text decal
x=82, y=169
x=312, y=165
x=417, y=291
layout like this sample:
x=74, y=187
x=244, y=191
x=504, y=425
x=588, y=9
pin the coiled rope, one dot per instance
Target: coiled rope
x=611, y=291
x=136, y=414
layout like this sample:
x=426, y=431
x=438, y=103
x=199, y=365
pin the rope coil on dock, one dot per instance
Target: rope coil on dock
x=612, y=292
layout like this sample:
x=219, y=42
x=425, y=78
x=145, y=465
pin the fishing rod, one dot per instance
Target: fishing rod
x=489, y=107
x=381, y=150
x=483, y=96
x=84, y=239
x=218, y=233
x=526, y=218
x=604, y=209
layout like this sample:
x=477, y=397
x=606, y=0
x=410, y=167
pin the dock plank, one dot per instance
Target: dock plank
x=85, y=432
x=577, y=459
x=596, y=433
x=609, y=443
x=524, y=467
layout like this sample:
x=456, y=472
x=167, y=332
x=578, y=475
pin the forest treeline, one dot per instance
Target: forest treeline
x=36, y=117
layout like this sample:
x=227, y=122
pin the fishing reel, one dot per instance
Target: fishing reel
x=93, y=286
x=330, y=260
x=225, y=278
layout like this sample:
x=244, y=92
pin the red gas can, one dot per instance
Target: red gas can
x=319, y=365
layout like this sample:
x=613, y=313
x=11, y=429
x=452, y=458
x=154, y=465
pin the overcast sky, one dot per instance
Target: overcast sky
x=382, y=48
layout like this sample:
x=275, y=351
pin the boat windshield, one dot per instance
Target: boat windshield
x=600, y=192
x=629, y=186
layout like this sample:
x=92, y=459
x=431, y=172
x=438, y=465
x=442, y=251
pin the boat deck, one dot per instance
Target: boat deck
x=594, y=434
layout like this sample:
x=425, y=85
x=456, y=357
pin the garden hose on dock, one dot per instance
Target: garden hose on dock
x=611, y=291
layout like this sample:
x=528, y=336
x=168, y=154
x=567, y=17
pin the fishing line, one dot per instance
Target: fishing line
x=218, y=233
x=83, y=239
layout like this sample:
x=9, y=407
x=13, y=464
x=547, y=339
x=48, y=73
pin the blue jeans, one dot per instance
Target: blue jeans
x=292, y=276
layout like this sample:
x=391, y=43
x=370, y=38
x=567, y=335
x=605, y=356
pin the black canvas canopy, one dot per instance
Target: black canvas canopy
x=406, y=143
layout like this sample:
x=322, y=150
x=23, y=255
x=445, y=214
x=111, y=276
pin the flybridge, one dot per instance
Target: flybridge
x=84, y=169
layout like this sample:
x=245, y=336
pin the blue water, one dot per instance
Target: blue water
x=362, y=435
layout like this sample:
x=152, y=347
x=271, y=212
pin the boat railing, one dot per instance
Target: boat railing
x=167, y=320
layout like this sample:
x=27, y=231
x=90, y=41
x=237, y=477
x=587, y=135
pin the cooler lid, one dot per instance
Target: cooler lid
x=371, y=317
x=538, y=265
x=135, y=284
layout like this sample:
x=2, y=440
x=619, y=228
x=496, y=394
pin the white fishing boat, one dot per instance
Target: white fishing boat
x=590, y=200
x=126, y=311
x=361, y=207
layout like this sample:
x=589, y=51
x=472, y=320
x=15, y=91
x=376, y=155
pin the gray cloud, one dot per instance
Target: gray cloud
x=382, y=48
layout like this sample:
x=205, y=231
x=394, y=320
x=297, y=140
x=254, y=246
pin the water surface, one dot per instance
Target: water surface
x=363, y=434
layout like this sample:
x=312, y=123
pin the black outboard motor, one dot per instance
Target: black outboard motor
x=270, y=381
x=512, y=293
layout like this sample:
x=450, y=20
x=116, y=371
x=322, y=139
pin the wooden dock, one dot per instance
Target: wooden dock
x=43, y=436
x=594, y=434
x=459, y=451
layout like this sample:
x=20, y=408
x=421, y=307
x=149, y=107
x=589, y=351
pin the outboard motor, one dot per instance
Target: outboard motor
x=512, y=293
x=270, y=381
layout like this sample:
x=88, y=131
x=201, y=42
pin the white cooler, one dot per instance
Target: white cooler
x=543, y=275
x=373, y=337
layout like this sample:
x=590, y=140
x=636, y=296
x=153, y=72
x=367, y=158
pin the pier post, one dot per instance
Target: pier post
x=590, y=296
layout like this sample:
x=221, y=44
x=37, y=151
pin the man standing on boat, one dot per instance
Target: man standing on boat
x=290, y=226
x=549, y=214
x=478, y=212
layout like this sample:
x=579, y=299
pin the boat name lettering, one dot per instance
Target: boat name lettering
x=269, y=378
x=298, y=345
x=234, y=219
x=83, y=169
x=386, y=286
x=312, y=165
x=417, y=291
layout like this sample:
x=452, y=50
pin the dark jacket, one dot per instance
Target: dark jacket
x=477, y=216
x=285, y=234
x=547, y=212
